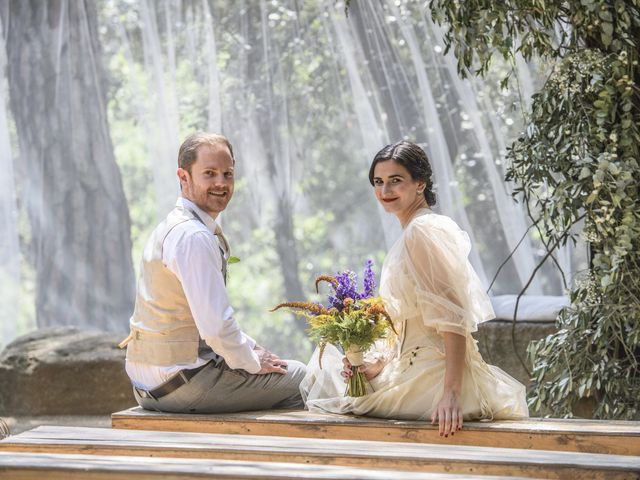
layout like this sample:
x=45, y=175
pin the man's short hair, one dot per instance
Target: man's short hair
x=188, y=152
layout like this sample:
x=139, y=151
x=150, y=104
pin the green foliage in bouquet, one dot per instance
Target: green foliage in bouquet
x=361, y=323
x=576, y=167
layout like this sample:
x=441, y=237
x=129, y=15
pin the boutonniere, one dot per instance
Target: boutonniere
x=232, y=260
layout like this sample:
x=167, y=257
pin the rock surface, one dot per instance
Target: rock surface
x=497, y=348
x=64, y=371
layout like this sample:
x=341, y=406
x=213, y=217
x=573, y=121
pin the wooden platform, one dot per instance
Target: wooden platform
x=607, y=437
x=23, y=466
x=461, y=460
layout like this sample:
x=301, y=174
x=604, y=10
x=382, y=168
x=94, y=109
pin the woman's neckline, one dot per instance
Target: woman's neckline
x=418, y=213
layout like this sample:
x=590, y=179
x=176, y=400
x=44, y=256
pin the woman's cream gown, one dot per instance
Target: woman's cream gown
x=429, y=288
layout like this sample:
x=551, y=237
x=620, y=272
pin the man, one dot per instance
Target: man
x=185, y=352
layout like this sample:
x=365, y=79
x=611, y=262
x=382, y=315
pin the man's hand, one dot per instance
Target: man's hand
x=269, y=362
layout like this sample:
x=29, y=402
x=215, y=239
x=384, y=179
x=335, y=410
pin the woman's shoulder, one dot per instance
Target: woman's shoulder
x=430, y=221
x=436, y=228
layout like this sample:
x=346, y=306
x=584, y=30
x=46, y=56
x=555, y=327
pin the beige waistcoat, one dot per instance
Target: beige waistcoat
x=163, y=331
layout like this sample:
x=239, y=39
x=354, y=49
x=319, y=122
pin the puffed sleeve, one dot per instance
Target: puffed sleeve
x=449, y=294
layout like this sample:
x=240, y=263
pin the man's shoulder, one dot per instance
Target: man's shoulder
x=188, y=238
x=181, y=219
x=179, y=227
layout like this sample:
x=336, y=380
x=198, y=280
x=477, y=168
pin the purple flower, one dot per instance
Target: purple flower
x=369, y=280
x=348, y=287
x=335, y=302
x=320, y=305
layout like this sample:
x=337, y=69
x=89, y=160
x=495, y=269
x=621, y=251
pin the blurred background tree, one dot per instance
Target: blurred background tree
x=79, y=240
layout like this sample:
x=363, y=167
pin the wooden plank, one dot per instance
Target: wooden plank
x=609, y=437
x=363, y=454
x=23, y=466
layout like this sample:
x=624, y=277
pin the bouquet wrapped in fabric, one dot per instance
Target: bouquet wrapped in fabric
x=352, y=320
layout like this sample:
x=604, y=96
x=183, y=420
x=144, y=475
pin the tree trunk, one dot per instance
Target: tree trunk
x=269, y=113
x=72, y=189
x=288, y=254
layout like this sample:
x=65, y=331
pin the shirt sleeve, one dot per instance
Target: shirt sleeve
x=449, y=294
x=197, y=262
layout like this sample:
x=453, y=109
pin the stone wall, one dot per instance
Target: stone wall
x=67, y=371
x=497, y=347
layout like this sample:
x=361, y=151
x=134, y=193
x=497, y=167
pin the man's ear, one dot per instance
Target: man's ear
x=183, y=175
x=183, y=178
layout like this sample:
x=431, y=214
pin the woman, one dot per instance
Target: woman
x=436, y=301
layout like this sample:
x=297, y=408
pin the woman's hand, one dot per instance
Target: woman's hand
x=448, y=414
x=370, y=370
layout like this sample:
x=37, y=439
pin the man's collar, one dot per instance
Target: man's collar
x=208, y=220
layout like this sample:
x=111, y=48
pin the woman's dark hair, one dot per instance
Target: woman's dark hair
x=414, y=159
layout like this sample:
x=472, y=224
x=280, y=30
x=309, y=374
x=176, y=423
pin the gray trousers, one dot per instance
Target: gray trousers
x=219, y=389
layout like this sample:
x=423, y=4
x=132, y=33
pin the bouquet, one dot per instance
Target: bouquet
x=352, y=320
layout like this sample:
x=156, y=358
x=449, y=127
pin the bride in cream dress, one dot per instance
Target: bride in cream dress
x=434, y=372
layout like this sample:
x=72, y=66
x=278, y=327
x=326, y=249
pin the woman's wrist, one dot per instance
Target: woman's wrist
x=454, y=389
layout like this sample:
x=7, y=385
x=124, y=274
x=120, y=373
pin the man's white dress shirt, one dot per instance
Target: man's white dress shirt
x=192, y=253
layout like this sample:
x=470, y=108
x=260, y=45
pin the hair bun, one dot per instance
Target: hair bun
x=430, y=197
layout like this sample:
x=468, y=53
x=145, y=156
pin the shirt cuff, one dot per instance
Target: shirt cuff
x=237, y=357
x=250, y=341
x=256, y=368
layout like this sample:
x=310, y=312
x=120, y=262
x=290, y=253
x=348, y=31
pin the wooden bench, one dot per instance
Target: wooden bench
x=349, y=453
x=22, y=466
x=613, y=437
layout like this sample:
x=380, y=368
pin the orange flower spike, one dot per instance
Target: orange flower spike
x=378, y=309
x=328, y=279
x=311, y=307
x=347, y=302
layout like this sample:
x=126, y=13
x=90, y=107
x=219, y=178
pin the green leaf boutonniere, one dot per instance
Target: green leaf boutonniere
x=232, y=260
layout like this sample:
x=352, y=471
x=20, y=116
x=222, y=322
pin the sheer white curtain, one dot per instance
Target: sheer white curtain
x=418, y=77
x=231, y=67
x=389, y=57
x=9, y=246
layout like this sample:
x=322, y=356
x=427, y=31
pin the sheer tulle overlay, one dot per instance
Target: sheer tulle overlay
x=429, y=288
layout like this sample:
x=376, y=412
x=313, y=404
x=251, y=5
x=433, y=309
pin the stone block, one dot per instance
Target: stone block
x=64, y=371
x=497, y=347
